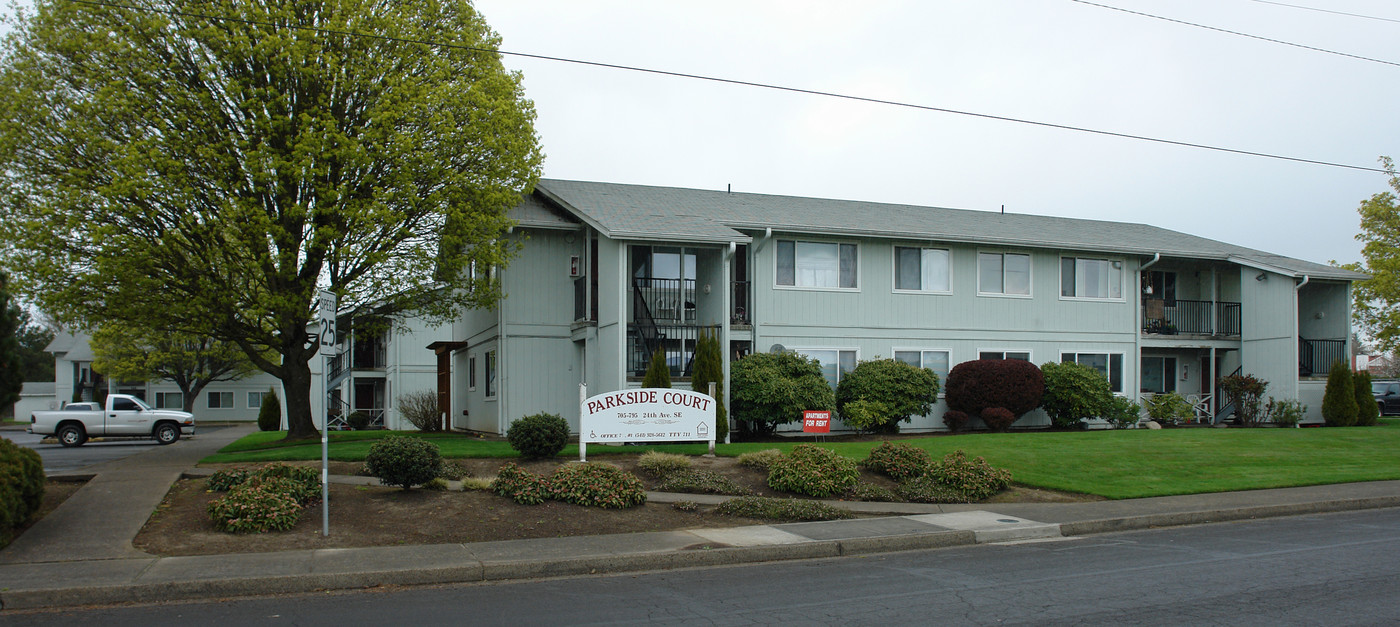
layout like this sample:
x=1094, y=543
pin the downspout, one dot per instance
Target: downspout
x=724, y=335
x=1297, y=340
x=767, y=235
x=1137, y=327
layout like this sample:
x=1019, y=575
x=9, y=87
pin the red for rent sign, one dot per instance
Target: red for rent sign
x=816, y=421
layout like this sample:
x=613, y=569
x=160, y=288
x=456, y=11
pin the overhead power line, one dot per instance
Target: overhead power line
x=730, y=81
x=1232, y=32
x=1299, y=6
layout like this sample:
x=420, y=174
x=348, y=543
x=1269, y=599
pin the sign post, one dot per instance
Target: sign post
x=325, y=338
x=816, y=422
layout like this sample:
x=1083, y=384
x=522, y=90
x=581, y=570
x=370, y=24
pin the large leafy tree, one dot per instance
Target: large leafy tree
x=204, y=167
x=130, y=353
x=11, y=357
x=1377, y=300
x=34, y=337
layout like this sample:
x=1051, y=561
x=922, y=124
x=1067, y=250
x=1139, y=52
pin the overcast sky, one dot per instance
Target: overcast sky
x=1053, y=61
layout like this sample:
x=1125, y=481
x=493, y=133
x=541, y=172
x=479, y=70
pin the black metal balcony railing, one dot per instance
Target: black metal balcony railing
x=739, y=303
x=1315, y=357
x=580, y=299
x=1201, y=317
x=670, y=301
x=678, y=342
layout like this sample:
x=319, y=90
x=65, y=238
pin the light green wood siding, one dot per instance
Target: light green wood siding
x=1269, y=342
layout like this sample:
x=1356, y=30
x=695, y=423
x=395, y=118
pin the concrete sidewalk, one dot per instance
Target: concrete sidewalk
x=49, y=571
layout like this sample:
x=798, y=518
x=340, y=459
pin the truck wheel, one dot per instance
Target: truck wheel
x=71, y=435
x=166, y=433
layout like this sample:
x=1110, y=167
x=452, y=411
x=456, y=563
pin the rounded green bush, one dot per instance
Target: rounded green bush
x=21, y=486
x=228, y=479
x=814, y=471
x=403, y=461
x=880, y=393
x=898, y=461
x=595, y=484
x=302, y=483
x=538, y=436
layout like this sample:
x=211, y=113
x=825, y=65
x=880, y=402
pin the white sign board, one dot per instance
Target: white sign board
x=647, y=415
x=325, y=319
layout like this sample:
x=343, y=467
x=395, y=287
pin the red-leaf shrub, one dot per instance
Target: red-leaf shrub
x=998, y=419
x=974, y=386
x=955, y=420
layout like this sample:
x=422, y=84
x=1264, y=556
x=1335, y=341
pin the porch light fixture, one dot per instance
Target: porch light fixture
x=1262, y=276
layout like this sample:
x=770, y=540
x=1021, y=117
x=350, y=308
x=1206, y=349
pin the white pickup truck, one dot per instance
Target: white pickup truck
x=125, y=416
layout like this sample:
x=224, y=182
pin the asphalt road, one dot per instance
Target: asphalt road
x=1331, y=569
x=60, y=459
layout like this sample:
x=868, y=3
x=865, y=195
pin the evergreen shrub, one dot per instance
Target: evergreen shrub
x=1339, y=398
x=955, y=420
x=1368, y=413
x=1169, y=408
x=1074, y=392
x=771, y=389
x=255, y=508
x=975, y=478
x=520, y=485
x=596, y=484
x=403, y=461
x=781, y=510
x=270, y=413
x=701, y=481
x=759, y=460
x=891, y=392
x=539, y=436
x=1286, y=413
x=898, y=461
x=866, y=491
x=658, y=374
x=709, y=367
x=998, y=419
x=1247, y=391
x=658, y=464
x=814, y=471
x=928, y=489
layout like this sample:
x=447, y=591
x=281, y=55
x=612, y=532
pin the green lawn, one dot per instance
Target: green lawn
x=1113, y=464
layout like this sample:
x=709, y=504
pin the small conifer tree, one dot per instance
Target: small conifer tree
x=270, y=413
x=1339, y=399
x=1367, y=412
x=658, y=373
x=709, y=367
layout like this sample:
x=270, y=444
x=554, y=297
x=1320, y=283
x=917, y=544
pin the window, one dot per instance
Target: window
x=1004, y=273
x=471, y=373
x=221, y=400
x=1159, y=374
x=937, y=361
x=835, y=362
x=922, y=269
x=1110, y=365
x=125, y=404
x=255, y=399
x=1091, y=278
x=1021, y=355
x=490, y=374
x=816, y=264
x=170, y=400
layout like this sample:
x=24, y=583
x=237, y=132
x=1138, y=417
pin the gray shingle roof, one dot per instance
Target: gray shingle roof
x=642, y=212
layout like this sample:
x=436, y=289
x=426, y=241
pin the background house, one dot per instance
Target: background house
x=608, y=273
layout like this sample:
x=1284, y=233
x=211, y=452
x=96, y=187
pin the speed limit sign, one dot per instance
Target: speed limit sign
x=325, y=319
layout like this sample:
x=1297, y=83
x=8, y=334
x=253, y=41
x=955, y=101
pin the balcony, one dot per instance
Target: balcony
x=1315, y=357
x=1191, y=317
x=678, y=342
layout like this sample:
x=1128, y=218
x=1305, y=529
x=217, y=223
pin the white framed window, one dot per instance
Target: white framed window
x=835, y=362
x=471, y=373
x=1006, y=274
x=255, y=399
x=817, y=264
x=1013, y=354
x=936, y=360
x=170, y=400
x=491, y=374
x=220, y=400
x=1110, y=365
x=1091, y=278
x=923, y=269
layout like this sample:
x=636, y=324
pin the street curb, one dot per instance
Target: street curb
x=1176, y=519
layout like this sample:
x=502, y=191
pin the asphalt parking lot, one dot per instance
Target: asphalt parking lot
x=58, y=459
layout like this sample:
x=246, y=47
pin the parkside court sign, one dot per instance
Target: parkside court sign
x=646, y=415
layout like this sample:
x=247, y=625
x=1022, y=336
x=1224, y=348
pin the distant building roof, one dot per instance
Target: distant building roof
x=642, y=212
